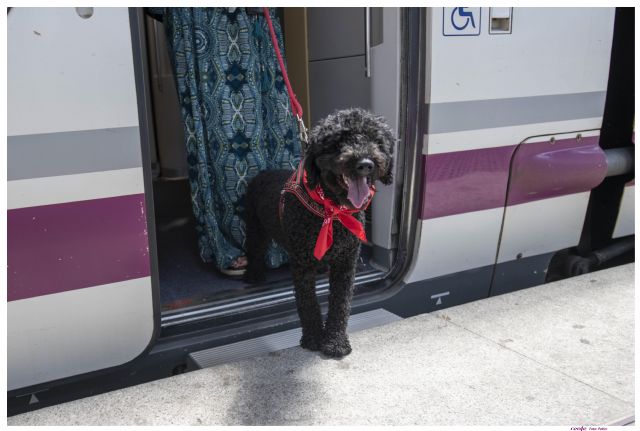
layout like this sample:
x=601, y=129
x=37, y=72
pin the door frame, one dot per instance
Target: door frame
x=282, y=300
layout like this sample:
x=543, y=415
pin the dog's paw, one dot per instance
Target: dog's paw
x=336, y=347
x=310, y=342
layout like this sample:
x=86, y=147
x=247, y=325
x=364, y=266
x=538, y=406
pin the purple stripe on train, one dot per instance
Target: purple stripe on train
x=465, y=181
x=543, y=170
x=68, y=246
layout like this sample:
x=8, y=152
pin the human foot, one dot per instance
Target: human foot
x=238, y=266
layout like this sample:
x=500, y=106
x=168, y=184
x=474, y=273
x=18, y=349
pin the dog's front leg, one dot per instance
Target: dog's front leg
x=336, y=342
x=304, y=280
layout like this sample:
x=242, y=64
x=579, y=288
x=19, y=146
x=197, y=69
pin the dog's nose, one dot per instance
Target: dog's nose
x=364, y=167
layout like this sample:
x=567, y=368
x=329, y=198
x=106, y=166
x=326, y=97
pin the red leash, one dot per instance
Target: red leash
x=295, y=105
x=330, y=210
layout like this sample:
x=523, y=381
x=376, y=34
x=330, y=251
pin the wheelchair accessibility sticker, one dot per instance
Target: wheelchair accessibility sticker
x=461, y=21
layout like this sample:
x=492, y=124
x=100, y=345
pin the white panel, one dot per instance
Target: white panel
x=67, y=73
x=55, y=336
x=550, y=51
x=70, y=188
x=436, y=143
x=542, y=226
x=456, y=243
x=625, y=225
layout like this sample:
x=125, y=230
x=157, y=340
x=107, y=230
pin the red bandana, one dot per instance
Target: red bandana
x=330, y=212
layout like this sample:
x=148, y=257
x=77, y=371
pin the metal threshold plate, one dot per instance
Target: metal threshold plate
x=282, y=340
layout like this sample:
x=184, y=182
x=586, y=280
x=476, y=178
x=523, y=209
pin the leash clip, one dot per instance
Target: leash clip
x=302, y=132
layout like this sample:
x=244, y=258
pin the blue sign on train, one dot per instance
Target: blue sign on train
x=461, y=21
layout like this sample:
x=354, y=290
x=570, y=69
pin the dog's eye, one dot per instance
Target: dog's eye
x=344, y=156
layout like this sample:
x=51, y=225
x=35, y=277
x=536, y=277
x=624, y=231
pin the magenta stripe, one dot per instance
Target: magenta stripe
x=542, y=170
x=465, y=181
x=62, y=247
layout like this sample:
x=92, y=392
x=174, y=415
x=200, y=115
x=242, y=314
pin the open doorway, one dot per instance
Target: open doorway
x=336, y=58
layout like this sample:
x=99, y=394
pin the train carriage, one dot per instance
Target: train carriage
x=514, y=167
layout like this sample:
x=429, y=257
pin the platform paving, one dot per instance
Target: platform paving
x=557, y=354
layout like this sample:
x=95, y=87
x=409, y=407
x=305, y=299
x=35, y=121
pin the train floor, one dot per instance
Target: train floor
x=557, y=354
x=187, y=281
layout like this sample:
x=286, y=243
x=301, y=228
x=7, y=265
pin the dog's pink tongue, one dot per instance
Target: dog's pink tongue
x=358, y=191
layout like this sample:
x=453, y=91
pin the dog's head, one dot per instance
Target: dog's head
x=349, y=151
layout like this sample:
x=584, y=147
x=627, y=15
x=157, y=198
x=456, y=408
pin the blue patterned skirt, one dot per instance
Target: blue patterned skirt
x=236, y=114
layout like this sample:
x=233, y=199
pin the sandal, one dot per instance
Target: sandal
x=237, y=267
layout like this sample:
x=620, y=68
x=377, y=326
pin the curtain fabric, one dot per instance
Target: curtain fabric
x=236, y=115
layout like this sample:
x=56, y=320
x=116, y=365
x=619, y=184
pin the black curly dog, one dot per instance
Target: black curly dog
x=348, y=151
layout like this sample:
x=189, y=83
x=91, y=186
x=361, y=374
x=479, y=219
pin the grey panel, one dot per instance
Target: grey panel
x=382, y=258
x=441, y=292
x=485, y=114
x=385, y=101
x=377, y=26
x=346, y=37
x=282, y=340
x=620, y=160
x=520, y=273
x=169, y=133
x=66, y=153
x=338, y=84
x=465, y=286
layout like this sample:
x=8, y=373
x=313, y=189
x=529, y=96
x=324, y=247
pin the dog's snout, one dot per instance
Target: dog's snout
x=364, y=167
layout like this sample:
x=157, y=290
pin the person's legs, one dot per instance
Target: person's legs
x=236, y=117
x=196, y=48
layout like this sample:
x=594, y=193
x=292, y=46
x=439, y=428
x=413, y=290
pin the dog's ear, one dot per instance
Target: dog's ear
x=313, y=173
x=323, y=139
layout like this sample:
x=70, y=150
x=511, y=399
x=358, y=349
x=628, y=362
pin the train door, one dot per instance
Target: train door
x=326, y=76
x=549, y=184
x=79, y=291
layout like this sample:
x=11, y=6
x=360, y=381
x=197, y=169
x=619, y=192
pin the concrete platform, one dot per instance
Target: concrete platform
x=558, y=354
